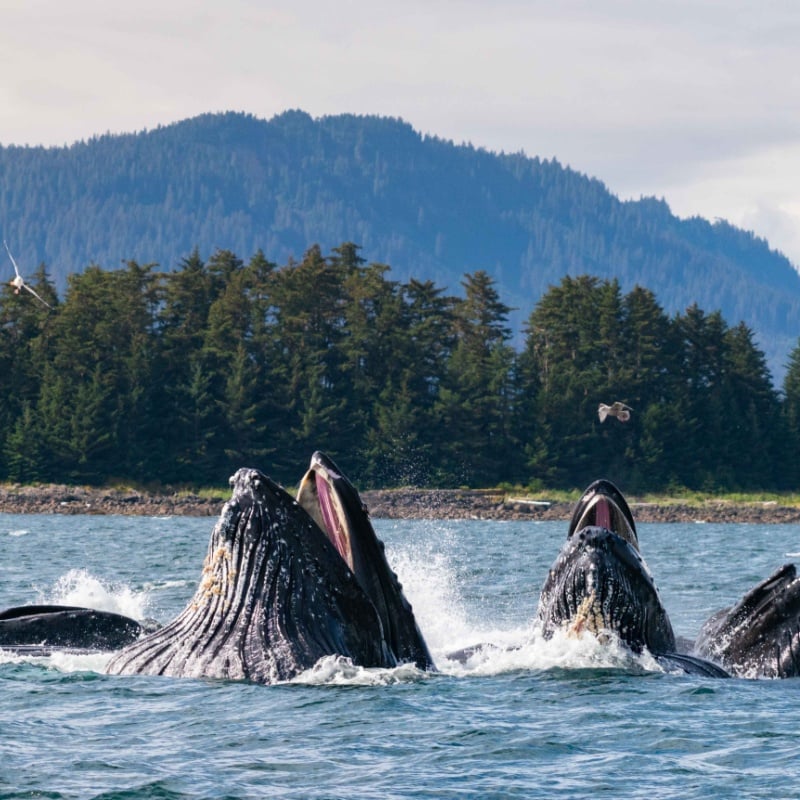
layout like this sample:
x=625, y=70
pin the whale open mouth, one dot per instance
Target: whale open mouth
x=332, y=518
x=274, y=596
x=319, y=496
x=603, y=506
x=336, y=508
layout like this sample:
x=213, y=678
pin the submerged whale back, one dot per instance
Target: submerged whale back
x=49, y=628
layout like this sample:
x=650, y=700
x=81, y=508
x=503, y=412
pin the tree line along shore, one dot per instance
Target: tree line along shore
x=182, y=377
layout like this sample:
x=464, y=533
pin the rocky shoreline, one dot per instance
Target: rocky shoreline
x=387, y=504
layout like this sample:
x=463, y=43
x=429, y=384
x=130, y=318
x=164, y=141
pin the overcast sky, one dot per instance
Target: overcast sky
x=695, y=101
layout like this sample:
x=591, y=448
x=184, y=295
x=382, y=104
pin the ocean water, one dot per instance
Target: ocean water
x=567, y=719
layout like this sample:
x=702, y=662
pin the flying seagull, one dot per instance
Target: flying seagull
x=18, y=282
x=618, y=410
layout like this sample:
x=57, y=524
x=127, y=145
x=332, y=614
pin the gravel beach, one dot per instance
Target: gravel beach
x=391, y=504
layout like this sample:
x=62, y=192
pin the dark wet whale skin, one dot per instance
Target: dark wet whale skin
x=600, y=580
x=274, y=597
x=596, y=560
x=368, y=556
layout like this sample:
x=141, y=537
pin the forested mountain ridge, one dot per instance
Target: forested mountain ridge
x=428, y=207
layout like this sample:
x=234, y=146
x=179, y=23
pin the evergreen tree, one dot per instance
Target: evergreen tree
x=234, y=358
x=406, y=440
x=188, y=403
x=94, y=405
x=188, y=375
x=138, y=408
x=753, y=423
x=475, y=404
x=374, y=361
x=309, y=300
x=23, y=320
x=791, y=420
x=649, y=383
x=701, y=397
x=573, y=343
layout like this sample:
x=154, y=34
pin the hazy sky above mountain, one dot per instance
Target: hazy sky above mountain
x=695, y=101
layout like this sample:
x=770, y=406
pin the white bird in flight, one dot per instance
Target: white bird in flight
x=18, y=282
x=618, y=410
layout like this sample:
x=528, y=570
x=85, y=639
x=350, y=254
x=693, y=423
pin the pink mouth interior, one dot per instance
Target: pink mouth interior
x=330, y=518
x=602, y=514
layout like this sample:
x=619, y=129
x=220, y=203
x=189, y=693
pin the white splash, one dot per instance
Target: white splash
x=340, y=671
x=562, y=651
x=431, y=585
x=79, y=588
x=63, y=662
x=466, y=642
x=447, y=621
x=72, y=662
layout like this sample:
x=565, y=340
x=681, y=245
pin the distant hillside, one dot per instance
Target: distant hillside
x=427, y=207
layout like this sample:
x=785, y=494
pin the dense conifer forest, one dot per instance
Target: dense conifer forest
x=181, y=377
x=430, y=208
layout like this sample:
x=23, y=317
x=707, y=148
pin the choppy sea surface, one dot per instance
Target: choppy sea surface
x=567, y=719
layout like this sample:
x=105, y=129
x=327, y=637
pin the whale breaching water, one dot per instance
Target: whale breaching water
x=601, y=584
x=758, y=637
x=289, y=580
x=335, y=505
x=282, y=587
x=616, y=409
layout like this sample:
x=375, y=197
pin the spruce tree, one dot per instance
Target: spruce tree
x=476, y=401
x=791, y=420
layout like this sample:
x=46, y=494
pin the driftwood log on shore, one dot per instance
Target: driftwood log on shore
x=387, y=504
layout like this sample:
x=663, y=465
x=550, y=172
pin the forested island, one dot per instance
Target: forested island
x=179, y=378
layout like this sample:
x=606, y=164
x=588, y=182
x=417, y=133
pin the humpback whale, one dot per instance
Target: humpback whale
x=335, y=505
x=276, y=594
x=41, y=630
x=600, y=583
x=758, y=637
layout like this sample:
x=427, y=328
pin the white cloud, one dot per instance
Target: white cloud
x=693, y=100
x=757, y=192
